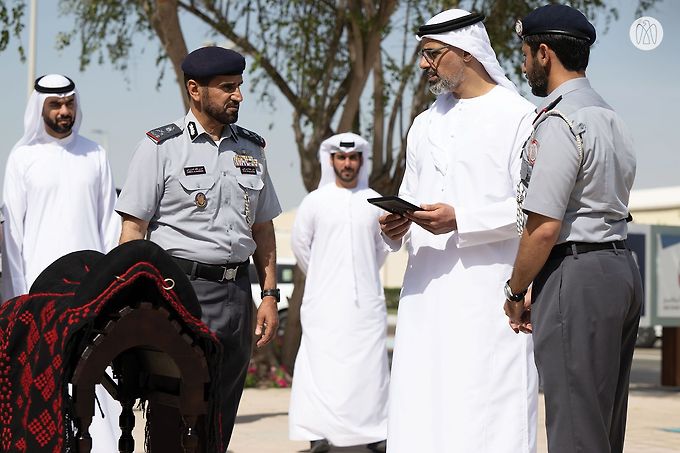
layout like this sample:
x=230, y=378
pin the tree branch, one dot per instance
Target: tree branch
x=244, y=44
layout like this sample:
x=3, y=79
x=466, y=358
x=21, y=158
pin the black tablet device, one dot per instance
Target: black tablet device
x=394, y=204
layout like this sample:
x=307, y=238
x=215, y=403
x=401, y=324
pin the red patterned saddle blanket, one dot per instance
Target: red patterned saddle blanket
x=43, y=334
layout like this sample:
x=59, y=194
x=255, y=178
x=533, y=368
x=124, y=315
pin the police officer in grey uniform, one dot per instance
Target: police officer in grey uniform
x=200, y=188
x=577, y=172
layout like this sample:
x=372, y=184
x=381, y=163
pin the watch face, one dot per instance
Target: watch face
x=507, y=291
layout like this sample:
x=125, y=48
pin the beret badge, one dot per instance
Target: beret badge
x=518, y=27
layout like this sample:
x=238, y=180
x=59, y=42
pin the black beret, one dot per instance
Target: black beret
x=556, y=19
x=213, y=61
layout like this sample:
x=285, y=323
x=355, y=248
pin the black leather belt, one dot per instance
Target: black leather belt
x=211, y=272
x=575, y=248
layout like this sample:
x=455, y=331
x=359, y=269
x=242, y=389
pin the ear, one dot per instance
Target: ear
x=543, y=55
x=467, y=57
x=193, y=89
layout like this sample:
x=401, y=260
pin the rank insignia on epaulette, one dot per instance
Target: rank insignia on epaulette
x=163, y=133
x=250, y=135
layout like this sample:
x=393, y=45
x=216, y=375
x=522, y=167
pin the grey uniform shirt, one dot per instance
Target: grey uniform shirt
x=201, y=198
x=590, y=196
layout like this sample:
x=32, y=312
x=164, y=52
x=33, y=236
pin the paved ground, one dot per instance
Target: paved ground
x=653, y=417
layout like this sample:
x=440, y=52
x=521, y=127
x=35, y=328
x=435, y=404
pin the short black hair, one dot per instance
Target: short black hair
x=573, y=53
x=201, y=81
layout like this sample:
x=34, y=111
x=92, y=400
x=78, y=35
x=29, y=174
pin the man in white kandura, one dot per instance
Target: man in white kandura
x=340, y=383
x=461, y=380
x=58, y=189
x=59, y=197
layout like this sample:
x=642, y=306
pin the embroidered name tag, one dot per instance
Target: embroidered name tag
x=248, y=170
x=188, y=171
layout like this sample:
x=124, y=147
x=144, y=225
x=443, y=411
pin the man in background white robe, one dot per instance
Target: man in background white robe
x=59, y=197
x=340, y=381
x=461, y=381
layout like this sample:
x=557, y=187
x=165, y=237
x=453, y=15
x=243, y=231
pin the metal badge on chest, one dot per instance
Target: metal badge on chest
x=201, y=200
x=247, y=164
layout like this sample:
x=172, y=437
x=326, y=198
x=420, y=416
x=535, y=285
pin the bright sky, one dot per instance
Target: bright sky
x=118, y=108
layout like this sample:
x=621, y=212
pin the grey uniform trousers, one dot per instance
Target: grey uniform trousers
x=228, y=311
x=585, y=315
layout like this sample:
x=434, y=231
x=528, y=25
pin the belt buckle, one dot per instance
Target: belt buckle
x=229, y=273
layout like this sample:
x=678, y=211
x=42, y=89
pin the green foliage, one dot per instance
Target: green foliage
x=107, y=30
x=11, y=23
x=341, y=66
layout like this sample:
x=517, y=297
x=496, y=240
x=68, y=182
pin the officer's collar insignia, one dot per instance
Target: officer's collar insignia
x=160, y=134
x=200, y=200
x=191, y=127
x=518, y=27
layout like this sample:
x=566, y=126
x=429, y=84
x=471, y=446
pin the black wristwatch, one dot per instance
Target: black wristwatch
x=271, y=292
x=519, y=297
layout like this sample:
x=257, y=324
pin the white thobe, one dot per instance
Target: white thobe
x=59, y=198
x=462, y=380
x=340, y=381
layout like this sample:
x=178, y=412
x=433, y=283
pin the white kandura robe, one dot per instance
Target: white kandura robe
x=462, y=380
x=59, y=198
x=340, y=383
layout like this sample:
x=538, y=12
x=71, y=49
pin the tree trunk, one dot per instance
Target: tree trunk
x=293, y=335
x=165, y=21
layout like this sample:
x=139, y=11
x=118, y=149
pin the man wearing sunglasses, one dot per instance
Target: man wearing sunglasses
x=461, y=380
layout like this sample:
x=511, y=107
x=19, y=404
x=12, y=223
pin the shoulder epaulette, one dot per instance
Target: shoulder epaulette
x=250, y=135
x=160, y=134
x=548, y=107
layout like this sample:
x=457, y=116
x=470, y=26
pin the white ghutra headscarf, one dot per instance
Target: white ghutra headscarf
x=346, y=142
x=472, y=39
x=34, y=126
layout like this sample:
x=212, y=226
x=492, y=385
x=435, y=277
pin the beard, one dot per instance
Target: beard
x=60, y=128
x=445, y=84
x=538, y=81
x=219, y=112
x=346, y=175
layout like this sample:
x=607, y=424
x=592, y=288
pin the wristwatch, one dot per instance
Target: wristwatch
x=519, y=297
x=271, y=292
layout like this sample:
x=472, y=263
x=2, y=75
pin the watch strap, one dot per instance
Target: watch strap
x=513, y=297
x=275, y=292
